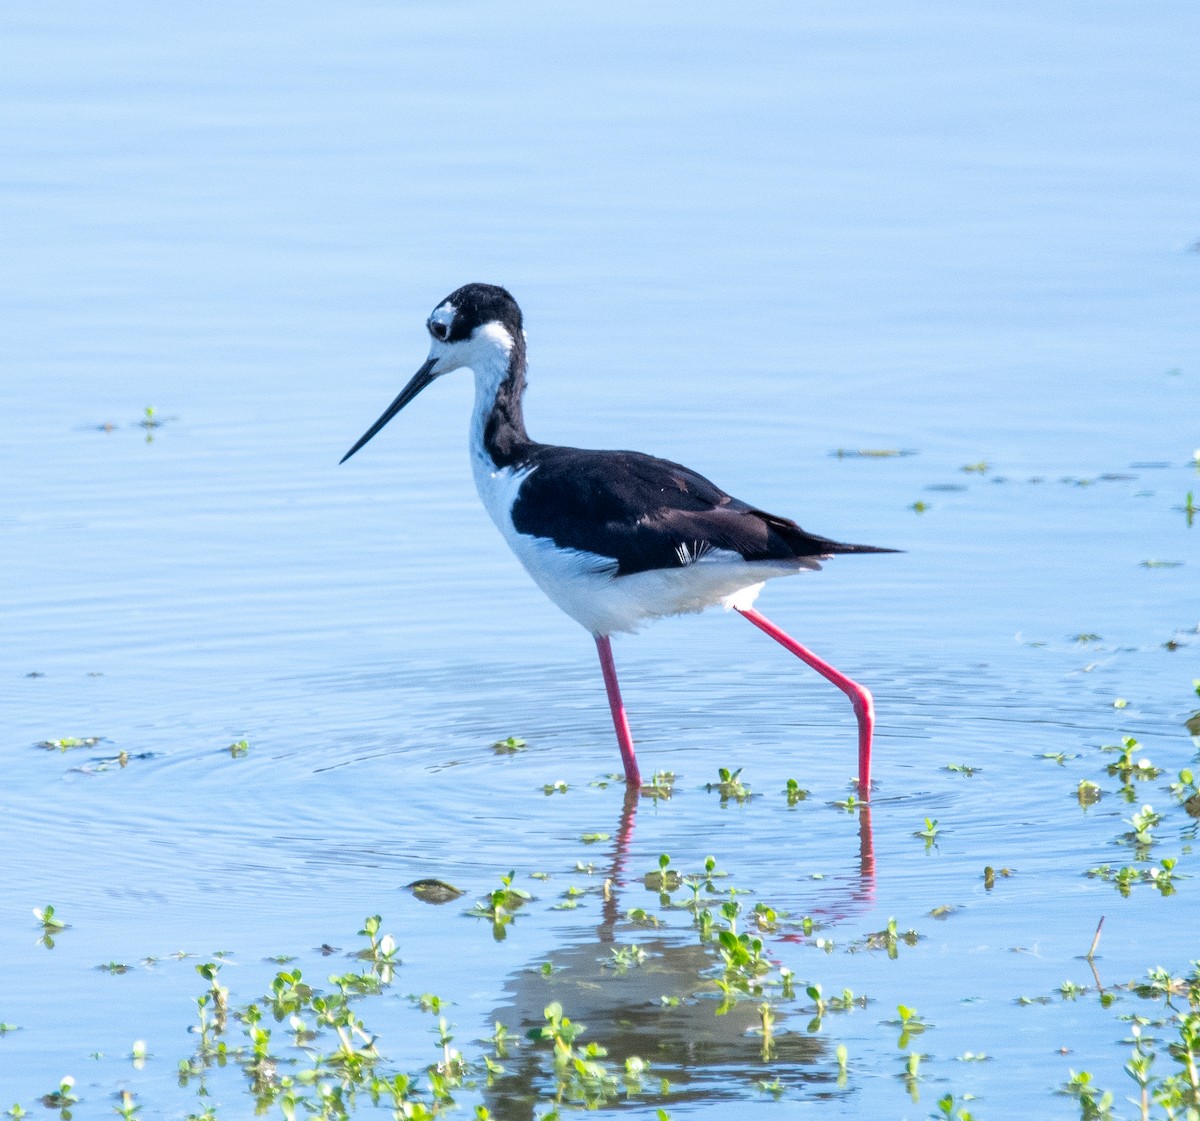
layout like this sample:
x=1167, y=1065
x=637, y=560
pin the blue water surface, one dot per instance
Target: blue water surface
x=746, y=240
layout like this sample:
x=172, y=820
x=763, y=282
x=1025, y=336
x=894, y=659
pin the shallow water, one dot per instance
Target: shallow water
x=740, y=243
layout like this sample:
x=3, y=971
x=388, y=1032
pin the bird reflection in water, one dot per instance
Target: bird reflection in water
x=661, y=1006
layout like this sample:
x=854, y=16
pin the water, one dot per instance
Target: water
x=740, y=242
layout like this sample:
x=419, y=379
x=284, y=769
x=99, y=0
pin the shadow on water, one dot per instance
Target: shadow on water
x=667, y=1009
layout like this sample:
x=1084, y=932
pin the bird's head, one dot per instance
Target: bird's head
x=476, y=326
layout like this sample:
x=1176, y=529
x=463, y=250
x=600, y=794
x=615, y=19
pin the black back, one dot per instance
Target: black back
x=649, y=513
x=645, y=513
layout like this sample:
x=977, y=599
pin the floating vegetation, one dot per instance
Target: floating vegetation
x=990, y=874
x=1163, y=876
x=71, y=743
x=1059, y=757
x=698, y=955
x=729, y=786
x=51, y=925
x=661, y=785
x=929, y=832
x=795, y=793
x=48, y=919
x=501, y=905
x=872, y=453
x=1128, y=768
x=120, y=761
x=889, y=939
x=238, y=749
x=1161, y=564
x=510, y=745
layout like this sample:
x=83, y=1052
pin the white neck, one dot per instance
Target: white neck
x=490, y=369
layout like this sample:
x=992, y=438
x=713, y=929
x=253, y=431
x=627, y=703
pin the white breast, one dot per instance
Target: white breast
x=586, y=585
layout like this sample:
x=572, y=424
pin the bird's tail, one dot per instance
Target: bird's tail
x=804, y=544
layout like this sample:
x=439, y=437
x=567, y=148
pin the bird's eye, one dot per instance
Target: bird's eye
x=438, y=329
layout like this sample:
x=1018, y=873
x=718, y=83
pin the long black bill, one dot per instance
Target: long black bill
x=418, y=382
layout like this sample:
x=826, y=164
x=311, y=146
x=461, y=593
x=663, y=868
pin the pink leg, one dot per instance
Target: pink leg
x=620, y=721
x=860, y=698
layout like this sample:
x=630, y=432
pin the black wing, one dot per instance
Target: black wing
x=649, y=513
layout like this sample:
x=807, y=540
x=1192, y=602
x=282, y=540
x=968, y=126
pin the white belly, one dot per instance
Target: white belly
x=586, y=585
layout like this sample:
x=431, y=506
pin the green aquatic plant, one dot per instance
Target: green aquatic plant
x=63, y=1098
x=929, y=833
x=954, y=1110
x=661, y=785
x=795, y=792
x=912, y=1076
x=70, y=743
x=500, y=906
x=765, y=917
x=1059, y=757
x=626, y=957
x=910, y=1024
x=845, y=1001
x=962, y=769
x=1126, y=767
x=665, y=880
x=729, y=786
x=889, y=939
x=569, y=900
x=766, y=1028
x=46, y=916
x=1192, y=723
x=1163, y=877
x=510, y=745
x=990, y=874
x=50, y=923
x=1094, y=1104
x=1143, y=823
x=381, y=951
x=872, y=453
x=582, y=1077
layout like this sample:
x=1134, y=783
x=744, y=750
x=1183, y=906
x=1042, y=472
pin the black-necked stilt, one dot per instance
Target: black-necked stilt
x=612, y=537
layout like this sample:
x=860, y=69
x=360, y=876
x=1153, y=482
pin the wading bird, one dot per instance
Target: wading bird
x=612, y=537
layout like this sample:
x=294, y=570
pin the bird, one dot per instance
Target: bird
x=613, y=538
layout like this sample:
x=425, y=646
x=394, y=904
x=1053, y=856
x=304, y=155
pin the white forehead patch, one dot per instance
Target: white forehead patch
x=444, y=314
